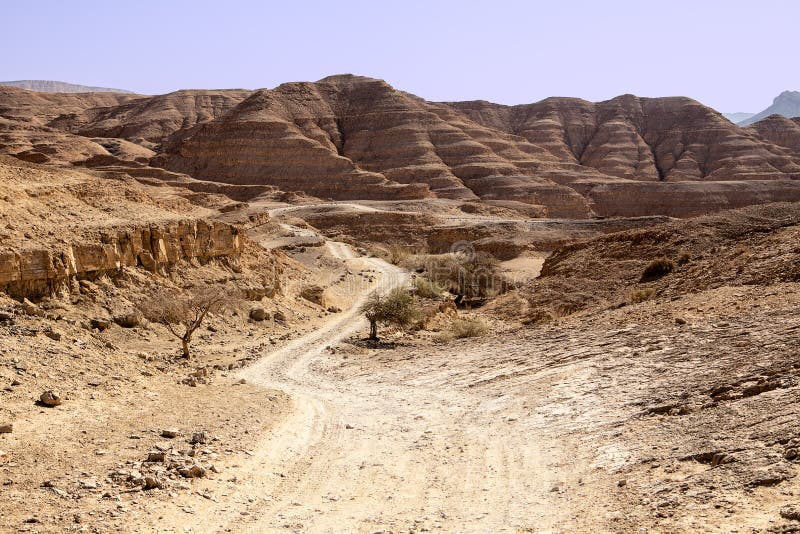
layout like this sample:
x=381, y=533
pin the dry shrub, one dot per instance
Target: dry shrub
x=461, y=328
x=427, y=289
x=475, y=275
x=182, y=314
x=657, y=268
x=538, y=316
x=640, y=295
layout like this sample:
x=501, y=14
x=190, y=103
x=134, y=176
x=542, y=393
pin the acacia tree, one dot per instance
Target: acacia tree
x=396, y=308
x=182, y=314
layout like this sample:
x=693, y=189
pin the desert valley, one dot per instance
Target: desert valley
x=587, y=313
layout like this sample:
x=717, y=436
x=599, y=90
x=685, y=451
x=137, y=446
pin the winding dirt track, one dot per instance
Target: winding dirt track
x=364, y=453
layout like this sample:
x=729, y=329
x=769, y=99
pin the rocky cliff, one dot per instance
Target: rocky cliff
x=38, y=272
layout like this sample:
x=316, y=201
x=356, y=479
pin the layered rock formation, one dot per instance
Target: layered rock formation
x=58, y=226
x=45, y=271
x=779, y=130
x=646, y=139
x=348, y=137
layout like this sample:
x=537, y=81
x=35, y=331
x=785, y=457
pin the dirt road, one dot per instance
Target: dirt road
x=361, y=454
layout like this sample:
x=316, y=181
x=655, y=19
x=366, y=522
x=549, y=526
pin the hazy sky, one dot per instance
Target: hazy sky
x=733, y=55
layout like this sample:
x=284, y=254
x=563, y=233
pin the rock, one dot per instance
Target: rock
x=790, y=454
x=791, y=512
x=54, y=335
x=169, y=433
x=680, y=320
x=50, y=398
x=198, y=437
x=29, y=308
x=6, y=428
x=151, y=482
x=622, y=483
x=314, y=293
x=193, y=471
x=88, y=483
x=258, y=313
x=334, y=309
x=279, y=316
x=6, y=317
x=128, y=320
x=156, y=456
x=100, y=324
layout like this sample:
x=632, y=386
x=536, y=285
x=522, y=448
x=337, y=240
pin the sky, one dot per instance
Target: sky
x=732, y=55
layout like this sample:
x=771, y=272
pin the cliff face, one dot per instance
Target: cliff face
x=59, y=225
x=35, y=273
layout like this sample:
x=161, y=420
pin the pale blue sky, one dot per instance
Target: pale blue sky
x=733, y=55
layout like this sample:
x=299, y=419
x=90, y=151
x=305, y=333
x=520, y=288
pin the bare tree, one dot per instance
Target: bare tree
x=182, y=314
x=396, y=308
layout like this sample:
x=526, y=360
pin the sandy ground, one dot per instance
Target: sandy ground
x=364, y=455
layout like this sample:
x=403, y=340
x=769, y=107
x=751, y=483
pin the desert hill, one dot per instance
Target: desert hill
x=779, y=130
x=52, y=86
x=787, y=104
x=349, y=137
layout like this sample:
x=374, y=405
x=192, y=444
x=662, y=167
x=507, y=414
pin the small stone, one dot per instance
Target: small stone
x=52, y=334
x=193, y=471
x=6, y=428
x=622, y=483
x=680, y=320
x=88, y=483
x=258, y=313
x=156, y=456
x=790, y=454
x=152, y=483
x=169, y=433
x=198, y=437
x=50, y=398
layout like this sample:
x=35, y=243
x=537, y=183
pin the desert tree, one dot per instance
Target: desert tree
x=395, y=308
x=183, y=313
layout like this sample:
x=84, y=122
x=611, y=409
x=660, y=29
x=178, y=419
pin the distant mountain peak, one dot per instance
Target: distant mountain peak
x=53, y=86
x=787, y=104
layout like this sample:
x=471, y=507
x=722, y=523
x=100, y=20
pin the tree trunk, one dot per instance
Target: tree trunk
x=185, y=342
x=373, y=330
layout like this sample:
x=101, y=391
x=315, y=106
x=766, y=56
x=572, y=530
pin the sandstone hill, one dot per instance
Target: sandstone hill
x=787, y=104
x=779, y=130
x=51, y=86
x=348, y=137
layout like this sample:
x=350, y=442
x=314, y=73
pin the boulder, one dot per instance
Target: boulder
x=50, y=398
x=258, y=313
x=128, y=320
x=314, y=293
